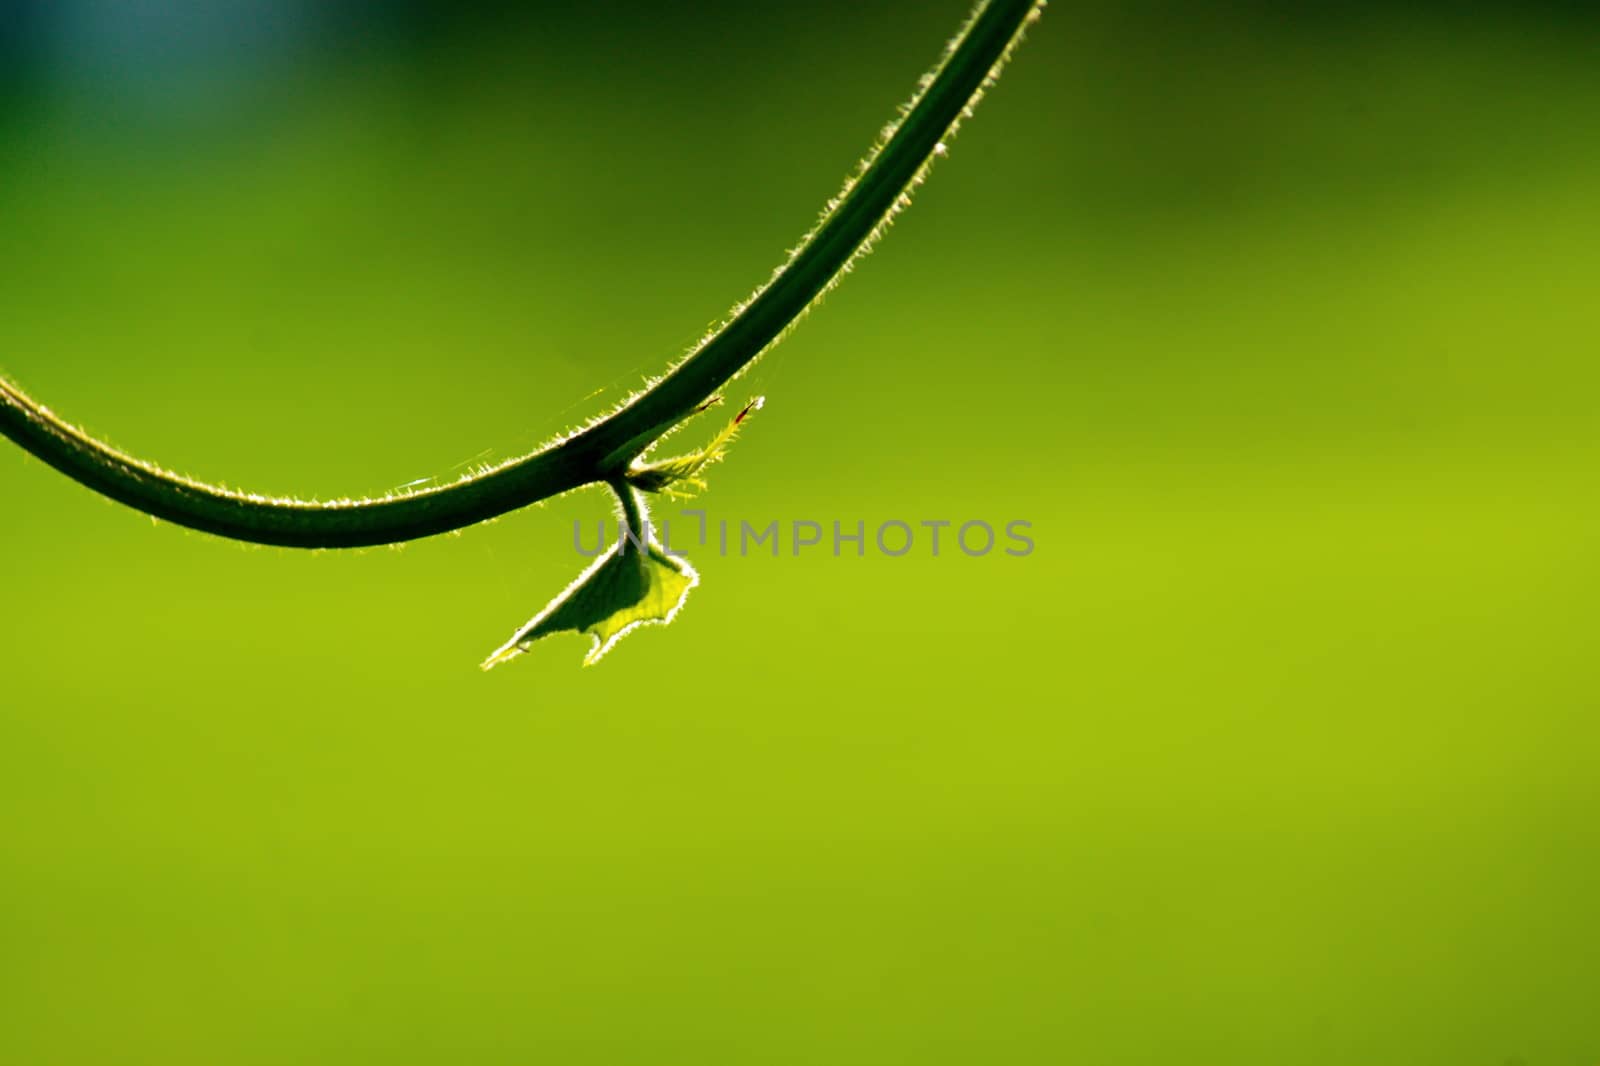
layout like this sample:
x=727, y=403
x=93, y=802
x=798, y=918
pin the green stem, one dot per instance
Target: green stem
x=634, y=514
x=603, y=450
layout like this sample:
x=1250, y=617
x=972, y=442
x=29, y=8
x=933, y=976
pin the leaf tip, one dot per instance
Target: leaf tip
x=503, y=654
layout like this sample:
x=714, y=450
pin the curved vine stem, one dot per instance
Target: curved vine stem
x=604, y=450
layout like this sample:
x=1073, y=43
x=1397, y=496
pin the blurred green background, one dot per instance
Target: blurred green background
x=1279, y=326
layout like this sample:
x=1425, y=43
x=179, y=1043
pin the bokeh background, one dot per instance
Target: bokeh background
x=1278, y=324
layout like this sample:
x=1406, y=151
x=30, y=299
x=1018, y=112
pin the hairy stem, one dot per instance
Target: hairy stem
x=634, y=517
x=602, y=451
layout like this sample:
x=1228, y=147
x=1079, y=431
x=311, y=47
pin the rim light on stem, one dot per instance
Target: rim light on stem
x=603, y=450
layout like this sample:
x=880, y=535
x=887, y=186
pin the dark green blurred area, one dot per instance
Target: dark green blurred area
x=1279, y=326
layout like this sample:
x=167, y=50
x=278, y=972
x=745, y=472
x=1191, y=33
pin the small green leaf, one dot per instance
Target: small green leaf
x=680, y=475
x=627, y=587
